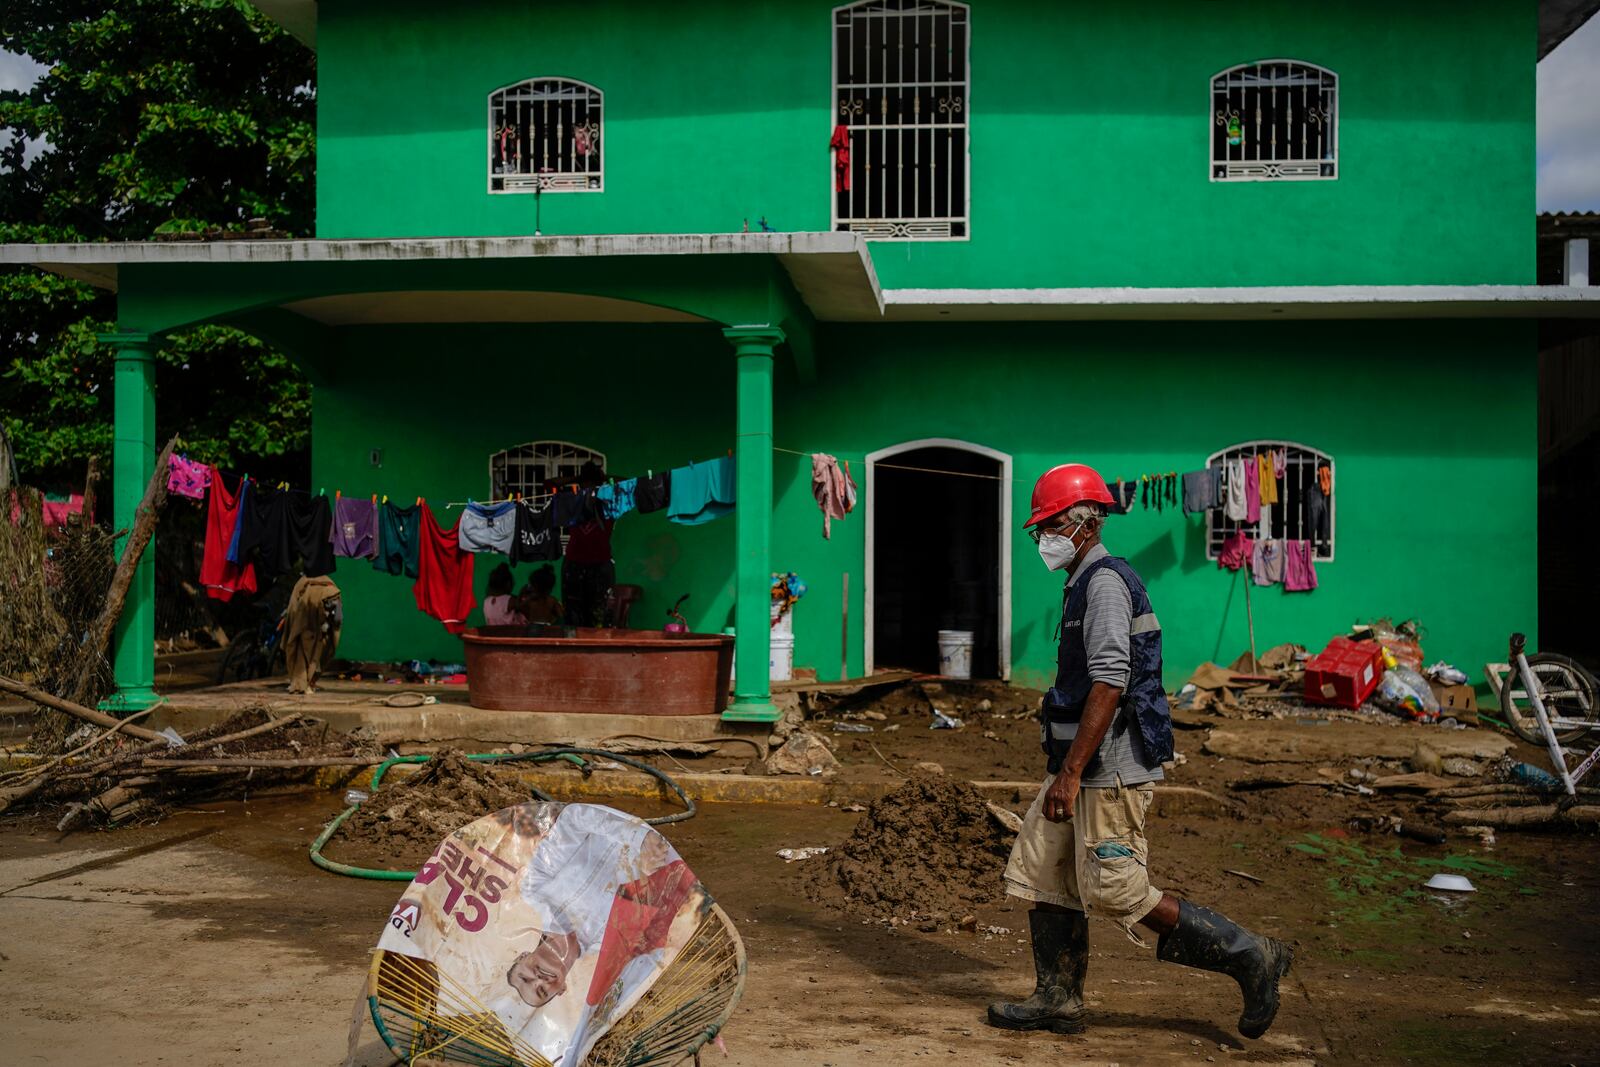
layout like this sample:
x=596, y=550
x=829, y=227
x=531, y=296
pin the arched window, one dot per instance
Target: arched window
x=899, y=146
x=530, y=469
x=1305, y=487
x=545, y=135
x=1274, y=120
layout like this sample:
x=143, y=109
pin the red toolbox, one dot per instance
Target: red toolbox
x=1345, y=673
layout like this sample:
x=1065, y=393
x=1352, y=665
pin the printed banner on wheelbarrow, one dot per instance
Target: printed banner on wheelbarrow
x=529, y=933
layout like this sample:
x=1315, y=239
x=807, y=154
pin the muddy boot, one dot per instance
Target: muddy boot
x=1060, y=959
x=1213, y=942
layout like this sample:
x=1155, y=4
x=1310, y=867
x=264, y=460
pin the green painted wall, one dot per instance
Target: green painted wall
x=1089, y=129
x=1431, y=424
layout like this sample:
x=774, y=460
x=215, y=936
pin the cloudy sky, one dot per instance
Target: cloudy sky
x=1569, y=118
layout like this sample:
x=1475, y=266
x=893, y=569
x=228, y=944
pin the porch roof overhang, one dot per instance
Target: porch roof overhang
x=832, y=272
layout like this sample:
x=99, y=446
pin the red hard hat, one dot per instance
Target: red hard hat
x=1061, y=487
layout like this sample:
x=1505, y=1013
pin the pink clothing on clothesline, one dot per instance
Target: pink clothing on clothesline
x=1299, y=568
x=828, y=486
x=1236, y=551
x=188, y=478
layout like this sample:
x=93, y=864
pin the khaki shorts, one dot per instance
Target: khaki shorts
x=1095, y=862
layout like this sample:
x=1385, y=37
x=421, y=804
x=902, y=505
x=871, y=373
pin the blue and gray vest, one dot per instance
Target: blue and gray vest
x=1144, y=701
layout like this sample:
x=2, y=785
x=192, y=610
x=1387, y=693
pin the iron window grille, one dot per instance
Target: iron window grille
x=1290, y=519
x=900, y=75
x=536, y=469
x=545, y=136
x=1274, y=120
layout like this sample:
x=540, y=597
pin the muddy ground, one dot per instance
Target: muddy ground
x=210, y=939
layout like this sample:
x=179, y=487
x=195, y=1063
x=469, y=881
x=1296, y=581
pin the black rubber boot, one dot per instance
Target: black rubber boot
x=1214, y=942
x=1060, y=960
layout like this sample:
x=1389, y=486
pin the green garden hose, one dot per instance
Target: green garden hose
x=573, y=755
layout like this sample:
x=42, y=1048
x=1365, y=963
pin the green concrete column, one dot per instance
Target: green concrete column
x=752, y=651
x=133, y=460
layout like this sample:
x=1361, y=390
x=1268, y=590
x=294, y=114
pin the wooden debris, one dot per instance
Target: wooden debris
x=76, y=710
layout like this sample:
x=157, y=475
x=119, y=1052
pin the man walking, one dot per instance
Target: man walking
x=1107, y=730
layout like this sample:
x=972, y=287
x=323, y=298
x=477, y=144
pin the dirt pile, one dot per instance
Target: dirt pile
x=402, y=822
x=929, y=851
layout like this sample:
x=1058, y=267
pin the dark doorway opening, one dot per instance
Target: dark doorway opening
x=936, y=558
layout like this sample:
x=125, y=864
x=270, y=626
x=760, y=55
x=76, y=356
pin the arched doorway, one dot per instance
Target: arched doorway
x=938, y=554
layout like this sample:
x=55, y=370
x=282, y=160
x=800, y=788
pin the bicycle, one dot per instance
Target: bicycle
x=255, y=653
x=1552, y=700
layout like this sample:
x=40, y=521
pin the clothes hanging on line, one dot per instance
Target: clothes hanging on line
x=616, y=498
x=1200, y=490
x=1251, y=474
x=399, y=538
x=1299, y=567
x=1123, y=495
x=187, y=478
x=221, y=578
x=1319, y=527
x=1234, y=499
x=280, y=527
x=355, y=527
x=653, y=492
x=1267, y=566
x=702, y=492
x=1325, y=479
x=246, y=486
x=840, y=143
x=536, y=536
x=488, y=527
x=827, y=488
x=849, y=489
x=574, y=507
x=444, y=573
x=1268, y=478
x=1236, y=551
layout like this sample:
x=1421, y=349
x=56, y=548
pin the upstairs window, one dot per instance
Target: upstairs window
x=1274, y=120
x=534, y=469
x=900, y=164
x=1303, y=510
x=544, y=135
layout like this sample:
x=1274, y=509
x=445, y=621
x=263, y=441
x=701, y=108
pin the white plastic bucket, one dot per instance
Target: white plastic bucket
x=782, y=624
x=955, y=653
x=781, y=663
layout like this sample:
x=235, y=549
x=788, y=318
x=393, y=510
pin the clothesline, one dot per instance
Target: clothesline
x=901, y=467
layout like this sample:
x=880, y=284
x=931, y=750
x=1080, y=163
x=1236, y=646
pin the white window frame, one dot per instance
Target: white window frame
x=551, y=456
x=551, y=181
x=1309, y=459
x=924, y=228
x=1277, y=168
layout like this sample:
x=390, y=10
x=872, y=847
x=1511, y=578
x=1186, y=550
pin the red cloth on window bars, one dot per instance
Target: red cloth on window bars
x=840, y=143
x=444, y=574
x=221, y=578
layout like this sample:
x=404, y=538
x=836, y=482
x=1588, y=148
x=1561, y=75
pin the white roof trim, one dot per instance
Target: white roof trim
x=1246, y=302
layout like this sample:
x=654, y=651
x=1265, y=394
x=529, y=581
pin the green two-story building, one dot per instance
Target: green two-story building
x=1003, y=234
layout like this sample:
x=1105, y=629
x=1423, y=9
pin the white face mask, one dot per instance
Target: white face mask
x=1057, y=550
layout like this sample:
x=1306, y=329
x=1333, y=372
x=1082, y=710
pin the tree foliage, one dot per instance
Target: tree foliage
x=152, y=116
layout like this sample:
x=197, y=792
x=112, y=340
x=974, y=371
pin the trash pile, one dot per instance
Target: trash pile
x=401, y=823
x=1377, y=667
x=109, y=778
x=924, y=854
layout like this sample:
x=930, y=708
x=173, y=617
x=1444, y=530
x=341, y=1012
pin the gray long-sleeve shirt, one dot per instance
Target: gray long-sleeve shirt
x=1107, y=640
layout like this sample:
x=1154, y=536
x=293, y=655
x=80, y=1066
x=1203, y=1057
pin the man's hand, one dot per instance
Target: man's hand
x=1062, y=796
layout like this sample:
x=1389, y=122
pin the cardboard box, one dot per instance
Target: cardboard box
x=1456, y=701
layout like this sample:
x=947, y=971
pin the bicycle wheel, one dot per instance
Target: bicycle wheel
x=239, y=663
x=1567, y=690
